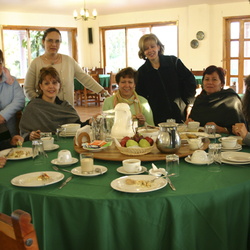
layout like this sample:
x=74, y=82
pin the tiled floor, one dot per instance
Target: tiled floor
x=86, y=112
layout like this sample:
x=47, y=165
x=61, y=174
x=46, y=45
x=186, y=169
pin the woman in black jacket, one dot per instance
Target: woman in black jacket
x=164, y=81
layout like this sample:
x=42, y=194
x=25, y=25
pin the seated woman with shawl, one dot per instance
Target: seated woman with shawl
x=216, y=105
x=47, y=112
x=139, y=106
x=242, y=129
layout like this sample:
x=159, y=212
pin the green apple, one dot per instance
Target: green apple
x=131, y=143
x=143, y=143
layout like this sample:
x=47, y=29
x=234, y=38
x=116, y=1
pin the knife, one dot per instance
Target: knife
x=9, y=153
x=65, y=182
x=171, y=184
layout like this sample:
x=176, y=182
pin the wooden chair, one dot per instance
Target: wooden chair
x=16, y=232
x=85, y=96
x=197, y=72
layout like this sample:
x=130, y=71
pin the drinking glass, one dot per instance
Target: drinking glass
x=214, y=157
x=97, y=127
x=172, y=164
x=60, y=133
x=87, y=162
x=210, y=130
x=39, y=156
x=108, y=122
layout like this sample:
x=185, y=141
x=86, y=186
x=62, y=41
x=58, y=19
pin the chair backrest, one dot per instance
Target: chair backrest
x=16, y=232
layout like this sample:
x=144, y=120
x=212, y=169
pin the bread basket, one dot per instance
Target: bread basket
x=132, y=150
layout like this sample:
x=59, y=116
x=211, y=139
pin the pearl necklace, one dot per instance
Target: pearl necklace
x=52, y=62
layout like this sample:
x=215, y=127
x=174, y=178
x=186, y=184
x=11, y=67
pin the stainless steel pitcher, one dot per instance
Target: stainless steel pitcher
x=168, y=139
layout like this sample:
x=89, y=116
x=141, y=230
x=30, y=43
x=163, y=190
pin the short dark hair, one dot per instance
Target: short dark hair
x=220, y=71
x=130, y=72
x=45, y=71
x=49, y=30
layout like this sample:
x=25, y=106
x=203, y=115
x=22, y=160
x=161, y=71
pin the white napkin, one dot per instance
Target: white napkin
x=157, y=171
x=86, y=129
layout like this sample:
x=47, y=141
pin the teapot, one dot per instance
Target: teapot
x=123, y=122
x=168, y=139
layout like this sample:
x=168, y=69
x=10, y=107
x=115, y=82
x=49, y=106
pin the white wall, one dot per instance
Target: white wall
x=207, y=18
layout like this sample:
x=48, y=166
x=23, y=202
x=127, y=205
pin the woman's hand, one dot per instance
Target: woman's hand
x=141, y=119
x=2, y=162
x=34, y=135
x=16, y=140
x=2, y=120
x=218, y=128
x=240, y=129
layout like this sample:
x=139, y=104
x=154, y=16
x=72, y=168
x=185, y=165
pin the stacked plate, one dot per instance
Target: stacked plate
x=235, y=158
x=238, y=147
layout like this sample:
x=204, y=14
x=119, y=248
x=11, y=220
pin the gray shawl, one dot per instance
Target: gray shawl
x=45, y=116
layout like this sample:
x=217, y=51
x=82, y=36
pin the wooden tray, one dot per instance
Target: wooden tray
x=112, y=153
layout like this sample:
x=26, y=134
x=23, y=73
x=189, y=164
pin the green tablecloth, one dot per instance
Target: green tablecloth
x=207, y=211
x=104, y=80
x=198, y=80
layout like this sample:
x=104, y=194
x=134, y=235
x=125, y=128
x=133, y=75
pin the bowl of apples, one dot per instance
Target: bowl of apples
x=135, y=145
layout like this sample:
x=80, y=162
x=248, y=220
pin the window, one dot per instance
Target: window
x=120, y=44
x=237, y=51
x=23, y=44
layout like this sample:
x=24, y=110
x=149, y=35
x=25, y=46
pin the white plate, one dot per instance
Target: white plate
x=122, y=171
x=119, y=184
x=78, y=171
x=56, y=162
x=187, y=159
x=27, y=153
x=67, y=134
x=31, y=179
x=54, y=146
x=85, y=146
x=210, y=136
x=234, y=162
x=237, y=147
x=236, y=156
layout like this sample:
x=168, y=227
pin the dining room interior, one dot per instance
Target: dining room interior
x=204, y=205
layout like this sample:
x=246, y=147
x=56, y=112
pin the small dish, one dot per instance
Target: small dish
x=56, y=162
x=188, y=160
x=87, y=147
x=54, y=147
x=210, y=136
x=122, y=171
x=236, y=148
x=78, y=171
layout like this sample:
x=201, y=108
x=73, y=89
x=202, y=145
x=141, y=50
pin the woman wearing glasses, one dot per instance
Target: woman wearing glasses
x=67, y=67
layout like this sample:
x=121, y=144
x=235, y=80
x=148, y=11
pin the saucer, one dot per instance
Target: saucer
x=236, y=148
x=210, y=136
x=122, y=171
x=54, y=146
x=56, y=162
x=78, y=171
x=188, y=159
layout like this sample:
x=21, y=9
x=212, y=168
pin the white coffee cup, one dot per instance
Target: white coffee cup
x=193, y=126
x=48, y=142
x=195, y=143
x=228, y=142
x=64, y=156
x=199, y=156
x=132, y=165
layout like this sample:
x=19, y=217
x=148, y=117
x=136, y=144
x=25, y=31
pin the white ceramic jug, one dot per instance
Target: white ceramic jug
x=123, y=122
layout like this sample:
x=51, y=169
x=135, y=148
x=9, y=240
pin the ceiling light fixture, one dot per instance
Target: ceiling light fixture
x=84, y=14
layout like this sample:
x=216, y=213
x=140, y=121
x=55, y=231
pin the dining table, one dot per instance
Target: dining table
x=208, y=210
x=104, y=80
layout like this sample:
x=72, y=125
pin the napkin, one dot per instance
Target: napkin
x=157, y=171
x=86, y=134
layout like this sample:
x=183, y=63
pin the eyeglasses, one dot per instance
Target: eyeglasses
x=51, y=41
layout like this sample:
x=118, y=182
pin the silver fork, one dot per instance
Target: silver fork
x=60, y=169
